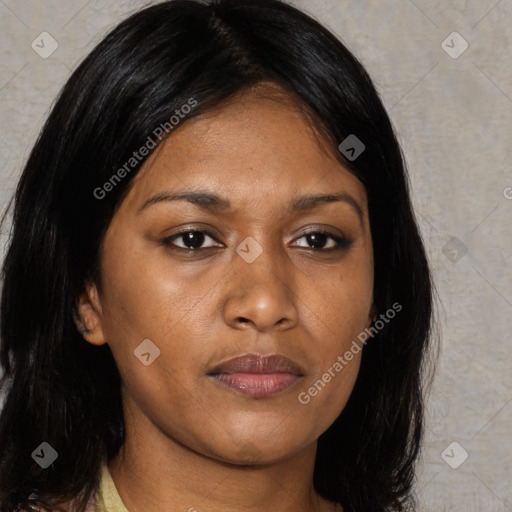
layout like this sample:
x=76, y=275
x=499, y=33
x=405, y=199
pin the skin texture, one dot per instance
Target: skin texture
x=191, y=442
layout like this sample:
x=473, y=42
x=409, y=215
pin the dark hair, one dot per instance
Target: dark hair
x=66, y=392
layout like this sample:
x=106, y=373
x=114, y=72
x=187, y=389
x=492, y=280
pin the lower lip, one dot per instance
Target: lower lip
x=257, y=385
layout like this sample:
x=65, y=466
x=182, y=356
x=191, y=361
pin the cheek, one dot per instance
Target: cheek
x=163, y=397
x=329, y=390
x=336, y=320
x=145, y=314
x=144, y=296
x=340, y=310
x=140, y=304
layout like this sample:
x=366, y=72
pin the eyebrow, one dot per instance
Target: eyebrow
x=214, y=203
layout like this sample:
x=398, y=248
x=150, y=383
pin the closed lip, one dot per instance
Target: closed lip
x=258, y=364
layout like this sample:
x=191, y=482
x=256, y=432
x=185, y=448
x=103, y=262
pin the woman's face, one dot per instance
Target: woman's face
x=255, y=282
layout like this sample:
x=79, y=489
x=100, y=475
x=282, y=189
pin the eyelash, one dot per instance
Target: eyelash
x=344, y=243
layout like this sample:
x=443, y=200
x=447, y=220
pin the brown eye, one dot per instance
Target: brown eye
x=318, y=239
x=191, y=239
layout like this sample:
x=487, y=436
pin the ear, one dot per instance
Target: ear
x=88, y=315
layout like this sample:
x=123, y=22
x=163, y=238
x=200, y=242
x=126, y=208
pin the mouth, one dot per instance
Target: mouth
x=256, y=375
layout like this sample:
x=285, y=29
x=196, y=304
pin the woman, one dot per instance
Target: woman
x=215, y=296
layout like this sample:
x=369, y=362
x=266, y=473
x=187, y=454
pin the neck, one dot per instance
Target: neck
x=152, y=471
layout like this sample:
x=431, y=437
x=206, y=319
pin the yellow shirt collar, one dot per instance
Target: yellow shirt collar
x=107, y=498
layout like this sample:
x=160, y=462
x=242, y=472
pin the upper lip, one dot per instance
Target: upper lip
x=257, y=363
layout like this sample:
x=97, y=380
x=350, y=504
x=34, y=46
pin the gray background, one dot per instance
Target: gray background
x=453, y=117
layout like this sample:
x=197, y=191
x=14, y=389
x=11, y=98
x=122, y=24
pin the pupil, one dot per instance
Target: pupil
x=317, y=239
x=194, y=239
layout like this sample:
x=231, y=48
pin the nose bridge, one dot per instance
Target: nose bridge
x=260, y=258
x=260, y=290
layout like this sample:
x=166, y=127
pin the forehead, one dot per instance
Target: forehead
x=255, y=148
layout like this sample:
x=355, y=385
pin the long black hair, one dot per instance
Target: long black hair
x=63, y=391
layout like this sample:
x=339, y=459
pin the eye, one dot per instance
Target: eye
x=319, y=238
x=192, y=239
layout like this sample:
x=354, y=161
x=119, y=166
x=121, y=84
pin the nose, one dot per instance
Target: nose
x=260, y=294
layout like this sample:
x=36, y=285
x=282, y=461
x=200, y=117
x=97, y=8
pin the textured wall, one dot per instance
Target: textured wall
x=452, y=107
